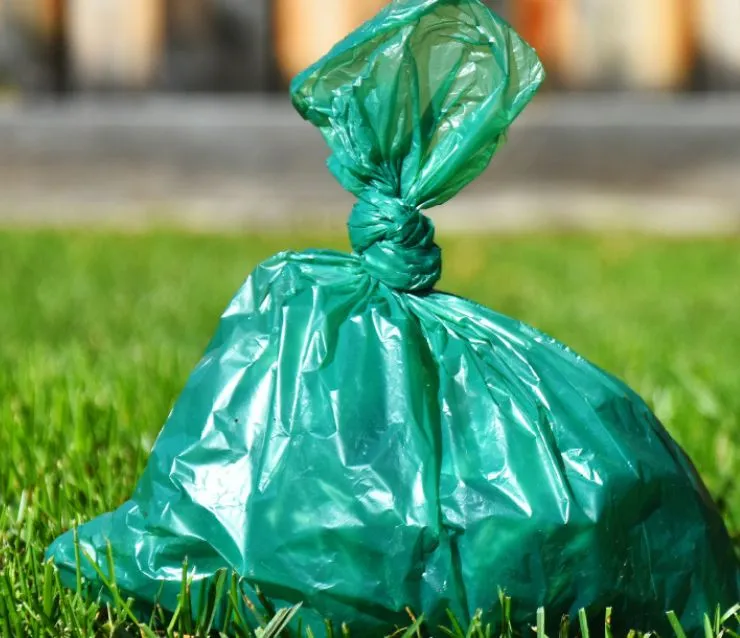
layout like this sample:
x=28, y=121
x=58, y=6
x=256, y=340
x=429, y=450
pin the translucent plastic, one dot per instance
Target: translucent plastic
x=357, y=441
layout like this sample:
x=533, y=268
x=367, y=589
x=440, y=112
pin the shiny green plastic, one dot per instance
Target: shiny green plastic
x=357, y=441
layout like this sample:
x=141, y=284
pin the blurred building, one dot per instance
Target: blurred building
x=643, y=44
x=257, y=45
x=635, y=44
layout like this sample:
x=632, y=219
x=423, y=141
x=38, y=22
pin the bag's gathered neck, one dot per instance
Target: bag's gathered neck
x=413, y=106
x=395, y=242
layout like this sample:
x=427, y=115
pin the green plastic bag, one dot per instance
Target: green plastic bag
x=356, y=441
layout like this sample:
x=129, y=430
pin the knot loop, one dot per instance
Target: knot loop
x=395, y=242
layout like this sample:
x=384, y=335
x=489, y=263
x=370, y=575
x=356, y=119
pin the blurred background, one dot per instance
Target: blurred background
x=257, y=45
x=142, y=111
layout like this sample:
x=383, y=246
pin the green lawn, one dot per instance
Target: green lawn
x=99, y=331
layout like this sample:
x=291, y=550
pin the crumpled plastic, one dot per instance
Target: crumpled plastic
x=355, y=440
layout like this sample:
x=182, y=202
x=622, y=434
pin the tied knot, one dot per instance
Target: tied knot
x=395, y=242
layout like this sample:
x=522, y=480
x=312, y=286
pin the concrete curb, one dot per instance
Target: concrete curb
x=653, y=164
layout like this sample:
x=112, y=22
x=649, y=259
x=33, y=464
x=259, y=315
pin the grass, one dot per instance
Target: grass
x=98, y=333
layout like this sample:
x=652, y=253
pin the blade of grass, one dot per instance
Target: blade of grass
x=732, y=611
x=229, y=605
x=708, y=633
x=266, y=603
x=11, y=604
x=608, y=623
x=175, y=618
x=675, y=624
x=261, y=620
x=214, y=599
x=506, y=628
x=157, y=612
x=540, y=628
x=22, y=582
x=67, y=605
x=4, y=618
x=414, y=622
x=414, y=629
x=186, y=614
x=476, y=626
x=280, y=621
x=22, y=508
x=236, y=619
x=120, y=603
x=78, y=560
x=457, y=630
x=564, y=626
x=48, y=593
